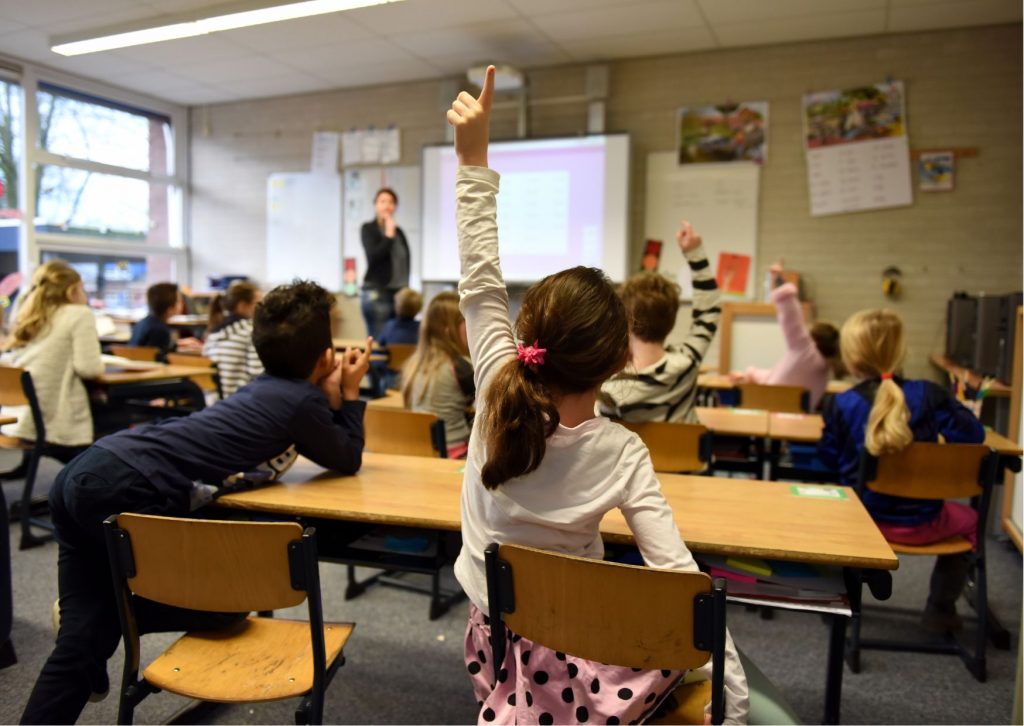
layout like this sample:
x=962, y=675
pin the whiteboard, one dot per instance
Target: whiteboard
x=720, y=200
x=304, y=228
x=360, y=187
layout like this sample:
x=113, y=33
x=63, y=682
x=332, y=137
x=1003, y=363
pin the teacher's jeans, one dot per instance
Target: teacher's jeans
x=378, y=304
x=95, y=485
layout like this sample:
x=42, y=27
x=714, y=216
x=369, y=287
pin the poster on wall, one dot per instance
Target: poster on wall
x=936, y=171
x=729, y=132
x=858, y=153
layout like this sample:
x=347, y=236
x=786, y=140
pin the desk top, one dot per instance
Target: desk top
x=114, y=375
x=715, y=515
x=972, y=379
x=721, y=381
x=390, y=399
x=734, y=421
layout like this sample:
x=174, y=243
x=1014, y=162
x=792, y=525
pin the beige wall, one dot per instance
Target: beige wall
x=963, y=90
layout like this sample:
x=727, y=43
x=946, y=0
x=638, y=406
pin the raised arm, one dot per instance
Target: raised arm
x=786, y=299
x=482, y=291
x=706, y=309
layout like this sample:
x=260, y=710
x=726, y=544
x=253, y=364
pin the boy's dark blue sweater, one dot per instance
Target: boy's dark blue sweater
x=152, y=331
x=932, y=412
x=257, y=423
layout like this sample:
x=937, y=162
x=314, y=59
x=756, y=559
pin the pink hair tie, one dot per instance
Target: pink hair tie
x=531, y=355
x=887, y=376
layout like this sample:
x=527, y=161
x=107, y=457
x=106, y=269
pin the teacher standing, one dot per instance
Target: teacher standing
x=387, y=262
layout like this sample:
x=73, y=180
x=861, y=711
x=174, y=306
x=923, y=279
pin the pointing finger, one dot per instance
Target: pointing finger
x=487, y=92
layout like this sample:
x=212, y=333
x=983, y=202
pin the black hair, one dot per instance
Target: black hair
x=161, y=297
x=292, y=328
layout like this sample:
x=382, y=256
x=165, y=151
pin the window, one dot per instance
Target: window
x=117, y=284
x=11, y=143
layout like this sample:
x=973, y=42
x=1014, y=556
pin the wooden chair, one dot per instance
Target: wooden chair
x=778, y=399
x=16, y=389
x=209, y=383
x=402, y=432
x=623, y=615
x=225, y=567
x=936, y=471
x=406, y=433
x=398, y=354
x=144, y=353
x=674, y=447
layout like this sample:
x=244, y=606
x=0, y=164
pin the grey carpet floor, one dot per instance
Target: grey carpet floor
x=403, y=668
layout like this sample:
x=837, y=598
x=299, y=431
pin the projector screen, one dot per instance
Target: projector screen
x=562, y=202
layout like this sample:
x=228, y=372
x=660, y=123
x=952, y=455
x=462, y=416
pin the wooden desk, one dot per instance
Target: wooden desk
x=390, y=399
x=425, y=493
x=972, y=379
x=734, y=421
x=360, y=343
x=188, y=321
x=119, y=375
x=722, y=382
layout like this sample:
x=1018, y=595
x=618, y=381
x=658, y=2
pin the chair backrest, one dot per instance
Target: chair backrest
x=674, y=447
x=779, y=399
x=17, y=389
x=398, y=354
x=207, y=382
x=147, y=353
x=408, y=433
x=607, y=612
x=926, y=470
x=205, y=564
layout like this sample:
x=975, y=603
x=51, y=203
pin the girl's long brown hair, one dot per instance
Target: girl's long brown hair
x=872, y=344
x=50, y=285
x=581, y=322
x=439, y=344
x=225, y=303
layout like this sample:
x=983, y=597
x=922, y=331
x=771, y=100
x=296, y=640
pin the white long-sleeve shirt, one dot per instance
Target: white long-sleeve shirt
x=587, y=470
x=66, y=351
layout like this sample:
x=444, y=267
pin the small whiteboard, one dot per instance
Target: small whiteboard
x=719, y=200
x=361, y=185
x=304, y=229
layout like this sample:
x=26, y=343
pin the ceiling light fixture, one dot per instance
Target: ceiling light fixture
x=178, y=27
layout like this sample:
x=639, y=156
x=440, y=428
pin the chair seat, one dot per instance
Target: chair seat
x=260, y=659
x=951, y=546
x=690, y=700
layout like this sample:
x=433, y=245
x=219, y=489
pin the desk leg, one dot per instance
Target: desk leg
x=834, y=671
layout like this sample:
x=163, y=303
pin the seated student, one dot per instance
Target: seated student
x=164, y=302
x=55, y=340
x=883, y=414
x=439, y=377
x=660, y=382
x=812, y=354
x=307, y=400
x=229, y=342
x=404, y=328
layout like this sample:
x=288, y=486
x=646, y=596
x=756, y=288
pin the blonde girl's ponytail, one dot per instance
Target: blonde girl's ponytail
x=51, y=283
x=873, y=347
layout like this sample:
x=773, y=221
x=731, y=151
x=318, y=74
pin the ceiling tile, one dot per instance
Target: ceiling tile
x=743, y=11
x=377, y=73
x=908, y=16
x=627, y=19
x=540, y=7
x=481, y=40
x=203, y=49
x=808, y=27
x=38, y=13
x=357, y=53
x=300, y=33
x=525, y=56
x=267, y=87
x=639, y=44
x=226, y=71
x=415, y=15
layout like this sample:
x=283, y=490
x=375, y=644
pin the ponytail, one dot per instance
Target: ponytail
x=521, y=414
x=888, y=428
x=217, y=312
x=51, y=284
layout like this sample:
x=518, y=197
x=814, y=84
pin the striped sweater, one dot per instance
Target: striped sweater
x=666, y=389
x=230, y=347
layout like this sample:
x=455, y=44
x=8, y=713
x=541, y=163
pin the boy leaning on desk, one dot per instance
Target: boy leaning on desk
x=307, y=398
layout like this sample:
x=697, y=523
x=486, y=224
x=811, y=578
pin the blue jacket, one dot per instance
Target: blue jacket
x=933, y=411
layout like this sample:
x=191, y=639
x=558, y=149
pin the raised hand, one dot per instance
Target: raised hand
x=471, y=118
x=389, y=226
x=331, y=386
x=354, y=364
x=687, y=238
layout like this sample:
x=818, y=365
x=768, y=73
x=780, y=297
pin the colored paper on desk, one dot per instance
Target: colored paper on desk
x=784, y=568
x=730, y=575
x=817, y=492
x=757, y=567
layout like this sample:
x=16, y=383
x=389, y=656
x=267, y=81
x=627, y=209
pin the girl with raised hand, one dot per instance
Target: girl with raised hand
x=542, y=469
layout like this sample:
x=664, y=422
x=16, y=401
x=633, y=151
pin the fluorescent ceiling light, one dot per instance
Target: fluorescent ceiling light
x=179, y=28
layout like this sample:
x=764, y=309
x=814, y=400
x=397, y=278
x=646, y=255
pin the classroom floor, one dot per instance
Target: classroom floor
x=402, y=668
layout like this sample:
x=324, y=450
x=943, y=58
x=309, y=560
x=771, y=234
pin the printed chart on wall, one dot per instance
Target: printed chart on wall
x=858, y=154
x=720, y=200
x=360, y=187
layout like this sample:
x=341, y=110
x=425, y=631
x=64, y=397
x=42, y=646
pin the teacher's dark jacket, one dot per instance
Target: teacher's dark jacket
x=378, y=255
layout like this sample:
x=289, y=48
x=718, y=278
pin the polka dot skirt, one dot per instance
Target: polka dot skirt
x=537, y=685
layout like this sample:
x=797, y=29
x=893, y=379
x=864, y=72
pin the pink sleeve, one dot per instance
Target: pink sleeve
x=757, y=375
x=791, y=318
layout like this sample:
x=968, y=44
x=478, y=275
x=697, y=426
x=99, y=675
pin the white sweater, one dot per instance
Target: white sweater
x=65, y=351
x=587, y=470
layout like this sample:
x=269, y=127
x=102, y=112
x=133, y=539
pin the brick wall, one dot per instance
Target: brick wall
x=963, y=90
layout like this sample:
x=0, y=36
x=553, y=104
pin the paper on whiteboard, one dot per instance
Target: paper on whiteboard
x=719, y=200
x=324, y=159
x=352, y=147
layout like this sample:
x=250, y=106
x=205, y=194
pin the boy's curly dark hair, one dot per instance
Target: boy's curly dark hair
x=292, y=328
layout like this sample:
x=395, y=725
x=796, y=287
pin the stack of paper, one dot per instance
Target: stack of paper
x=778, y=580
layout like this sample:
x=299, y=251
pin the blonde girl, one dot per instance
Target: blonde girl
x=55, y=339
x=542, y=469
x=229, y=342
x=438, y=378
x=883, y=414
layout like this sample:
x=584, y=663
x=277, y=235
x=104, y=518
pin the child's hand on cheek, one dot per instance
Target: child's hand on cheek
x=330, y=384
x=471, y=118
x=354, y=365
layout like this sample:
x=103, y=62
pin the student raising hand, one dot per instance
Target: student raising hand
x=688, y=239
x=471, y=118
x=354, y=364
